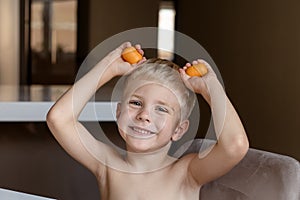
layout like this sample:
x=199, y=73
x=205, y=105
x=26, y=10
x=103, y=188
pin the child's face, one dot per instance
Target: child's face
x=148, y=118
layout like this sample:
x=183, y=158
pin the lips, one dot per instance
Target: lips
x=141, y=132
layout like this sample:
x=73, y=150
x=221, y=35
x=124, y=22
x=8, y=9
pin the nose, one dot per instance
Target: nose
x=143, y=115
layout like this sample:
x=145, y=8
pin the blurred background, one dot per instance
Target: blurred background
x=255, y=44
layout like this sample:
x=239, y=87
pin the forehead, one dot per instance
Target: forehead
x=152, y=90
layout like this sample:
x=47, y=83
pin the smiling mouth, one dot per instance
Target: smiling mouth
x=141, y=133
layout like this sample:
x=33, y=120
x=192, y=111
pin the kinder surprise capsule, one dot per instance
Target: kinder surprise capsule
x=131, y=55
x=197, y=70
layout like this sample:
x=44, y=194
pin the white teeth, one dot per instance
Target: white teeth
x=140, y=133
x=144, y=132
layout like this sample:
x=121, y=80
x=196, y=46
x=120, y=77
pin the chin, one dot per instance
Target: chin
x=136, y=145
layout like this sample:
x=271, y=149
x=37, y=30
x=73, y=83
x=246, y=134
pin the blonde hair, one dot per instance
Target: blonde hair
x=166, y=73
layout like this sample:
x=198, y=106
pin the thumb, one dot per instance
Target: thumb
x=123, y=46
x=116, y=53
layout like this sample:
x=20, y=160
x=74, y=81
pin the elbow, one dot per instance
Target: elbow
x=52, y=116
x=56, y=116
x=242, y=147
x=238, y=148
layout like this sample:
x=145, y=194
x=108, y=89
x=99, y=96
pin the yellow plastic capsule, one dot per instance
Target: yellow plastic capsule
x=197, y=70
x=131, y=55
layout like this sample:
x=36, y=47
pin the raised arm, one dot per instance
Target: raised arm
x=62, y=119
x=232, y=143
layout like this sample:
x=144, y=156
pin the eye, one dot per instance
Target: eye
x=135, y=103
x=162, y=109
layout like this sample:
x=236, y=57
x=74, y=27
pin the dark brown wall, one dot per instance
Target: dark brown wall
x=108, y=18
x=256, y=46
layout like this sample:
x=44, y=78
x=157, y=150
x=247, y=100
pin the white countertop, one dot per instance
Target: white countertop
x=14, y=195
x=31, y=104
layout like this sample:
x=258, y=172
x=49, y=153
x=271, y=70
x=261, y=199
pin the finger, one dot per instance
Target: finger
x=210, y=69
x=201, y=61
x=204, y=62
x=188, y=64
x=184, y=76
x=141, y=61
x=122, y=47
x=125, y=45
x=139, y=49
x=195, y=62
x=137, y=46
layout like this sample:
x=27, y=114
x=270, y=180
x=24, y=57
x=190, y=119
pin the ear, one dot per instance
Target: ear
x=180, y=130
x=118, y=110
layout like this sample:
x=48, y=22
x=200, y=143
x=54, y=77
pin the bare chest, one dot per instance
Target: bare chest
x=154, y=185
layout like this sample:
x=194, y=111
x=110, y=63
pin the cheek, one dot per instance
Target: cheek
x=123, y=111
x=165, y=124
x=121, y=118
x=125, y=118
x=159, y=120
x=122, y=124
x=122, y=133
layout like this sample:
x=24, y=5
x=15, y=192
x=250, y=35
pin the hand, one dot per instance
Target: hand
x=117, y=65
x=195, y=83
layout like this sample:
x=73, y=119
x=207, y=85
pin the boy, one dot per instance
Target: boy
x=153, y=112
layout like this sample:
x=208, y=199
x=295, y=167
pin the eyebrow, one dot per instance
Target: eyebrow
x=137, y=96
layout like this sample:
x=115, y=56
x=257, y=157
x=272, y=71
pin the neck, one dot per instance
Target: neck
x=150, y=161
